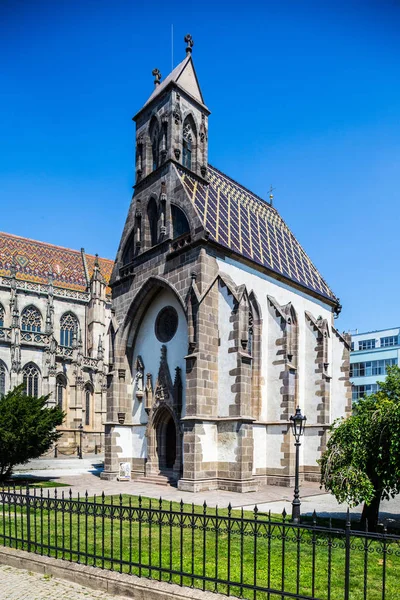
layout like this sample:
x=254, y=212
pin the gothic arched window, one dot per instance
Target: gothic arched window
x=68, y=324
x=250, y=334
x=155, y=143
x=88, y=403
x=31, y=376
x=1, y=316
x=61, y=389
x=188, y=142
x=31, y=319
x=180, y=223
x=3, y=375
x=153, y=221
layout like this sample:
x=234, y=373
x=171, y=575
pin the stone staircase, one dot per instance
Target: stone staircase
x=165, y=477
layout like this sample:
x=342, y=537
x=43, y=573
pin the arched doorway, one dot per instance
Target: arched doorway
x=166, y=443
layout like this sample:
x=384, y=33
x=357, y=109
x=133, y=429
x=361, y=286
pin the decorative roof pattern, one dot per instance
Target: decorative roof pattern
x=34, y=261
x=241, y=221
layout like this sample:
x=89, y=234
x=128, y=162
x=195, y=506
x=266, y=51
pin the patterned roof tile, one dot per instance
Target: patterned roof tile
x=246, y=224
x=36, y=260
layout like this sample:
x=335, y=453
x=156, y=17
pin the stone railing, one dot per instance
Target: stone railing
x=35, y=337
x=41, y=288
x=5, y=334
x=64, y=351
x=89, y=362
x=180, y=242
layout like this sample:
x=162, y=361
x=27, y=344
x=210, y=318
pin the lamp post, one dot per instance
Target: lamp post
x=297, y=422
x=80, y=440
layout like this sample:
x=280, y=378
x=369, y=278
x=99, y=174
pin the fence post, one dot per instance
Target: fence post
x=28, y=518
x=347, y=557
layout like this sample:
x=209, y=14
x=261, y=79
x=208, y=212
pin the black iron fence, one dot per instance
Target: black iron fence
x=238, y=553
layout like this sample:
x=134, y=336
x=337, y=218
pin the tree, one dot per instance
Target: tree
x=362, y=459
x=27, y=428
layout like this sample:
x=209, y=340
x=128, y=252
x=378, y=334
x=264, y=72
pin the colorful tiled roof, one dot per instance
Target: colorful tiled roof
x=35, y=260
x=241, y=221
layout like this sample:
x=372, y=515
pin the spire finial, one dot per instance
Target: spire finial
x=96, y=260
x=271, y=196
x=189, y=41
x=157, y=76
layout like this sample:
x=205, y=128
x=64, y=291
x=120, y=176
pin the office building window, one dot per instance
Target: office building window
x=366, y=344
x=371, y=367
x=391, y=340
x=363, y=390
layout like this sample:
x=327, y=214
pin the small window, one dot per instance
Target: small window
x=88, y=404
x=61, y=391
x=166, y=324
x=391, y=340
x=1, y=316
x=3, y=374
x=68, y=325
x=31, y=319
x=180, y=224
x=366, y=344
x=31, y=380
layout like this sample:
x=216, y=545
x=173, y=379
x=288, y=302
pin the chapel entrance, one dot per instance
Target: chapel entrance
x=166, y=442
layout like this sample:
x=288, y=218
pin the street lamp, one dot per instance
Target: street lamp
x=298, y=422
x=80, y=440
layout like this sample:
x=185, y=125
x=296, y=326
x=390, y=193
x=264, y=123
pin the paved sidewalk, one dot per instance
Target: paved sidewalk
x=16, y=584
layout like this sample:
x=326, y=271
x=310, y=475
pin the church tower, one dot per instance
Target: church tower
x=172, y=125
x=219, y=317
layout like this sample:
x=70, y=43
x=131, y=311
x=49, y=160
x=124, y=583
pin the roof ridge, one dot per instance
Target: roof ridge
x=246, y=189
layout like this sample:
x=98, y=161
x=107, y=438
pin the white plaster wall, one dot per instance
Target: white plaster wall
x=274, y=438
x=271, y=400
x=338, y=388
x=149, y=348
x=264, y=286
x=226, y=359
x=310, y=399
x=124, y=441
x=209, y=442
x=139, y=442
x=310, y=445
x=260, y=447
x=227, y=446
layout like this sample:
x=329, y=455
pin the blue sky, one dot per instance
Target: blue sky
x=304, y=96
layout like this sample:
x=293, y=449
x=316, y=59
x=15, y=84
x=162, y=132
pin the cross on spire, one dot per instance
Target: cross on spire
x=189, y=41
x=157, y=76
x=271, y=196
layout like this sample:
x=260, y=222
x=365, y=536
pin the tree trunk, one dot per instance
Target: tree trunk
x=371, y=513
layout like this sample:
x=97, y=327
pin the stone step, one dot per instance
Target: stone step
x=161, y=479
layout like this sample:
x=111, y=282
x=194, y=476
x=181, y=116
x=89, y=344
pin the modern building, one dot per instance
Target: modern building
x=223, y=325
x=55, y=311
x=371, y=353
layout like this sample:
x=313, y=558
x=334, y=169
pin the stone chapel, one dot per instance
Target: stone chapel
x=222, y=325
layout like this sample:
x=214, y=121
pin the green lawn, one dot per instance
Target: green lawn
x=33, y=482
x=190, y=545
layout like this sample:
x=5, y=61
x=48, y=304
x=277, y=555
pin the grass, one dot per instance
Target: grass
x=32, y=482
x=190, y=545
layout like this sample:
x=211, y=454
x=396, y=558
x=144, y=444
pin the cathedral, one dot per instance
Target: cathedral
x=221, y=323
x=55, y=311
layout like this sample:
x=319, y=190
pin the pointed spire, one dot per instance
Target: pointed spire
x=100, y=351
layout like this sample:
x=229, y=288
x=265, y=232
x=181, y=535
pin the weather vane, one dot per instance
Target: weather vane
x=189, y=41
x=157, y=76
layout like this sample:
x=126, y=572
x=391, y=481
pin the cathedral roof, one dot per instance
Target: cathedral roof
x=241, y=221
x=184, y=76
x=34, y=261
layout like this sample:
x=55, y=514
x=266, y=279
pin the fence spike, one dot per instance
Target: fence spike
x=70, y=493
x=255, y=509
x=102, y=495
x=86, y=494
x=284, y=513
x=120, y=498
x=314, y=517
x=181, y=504
x=366, y=524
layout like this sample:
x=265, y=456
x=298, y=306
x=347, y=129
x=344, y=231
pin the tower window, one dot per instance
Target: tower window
x=187, y=153
x=2, y=379
x=155, y=143
x=60, y=391
x=180, y=224
x=188, y=142
x=153, y=221
x=1, y=316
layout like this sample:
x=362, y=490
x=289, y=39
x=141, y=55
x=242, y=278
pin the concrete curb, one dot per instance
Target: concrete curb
x=107, y=581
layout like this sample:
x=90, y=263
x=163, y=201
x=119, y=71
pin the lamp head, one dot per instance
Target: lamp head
x=298, y=422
